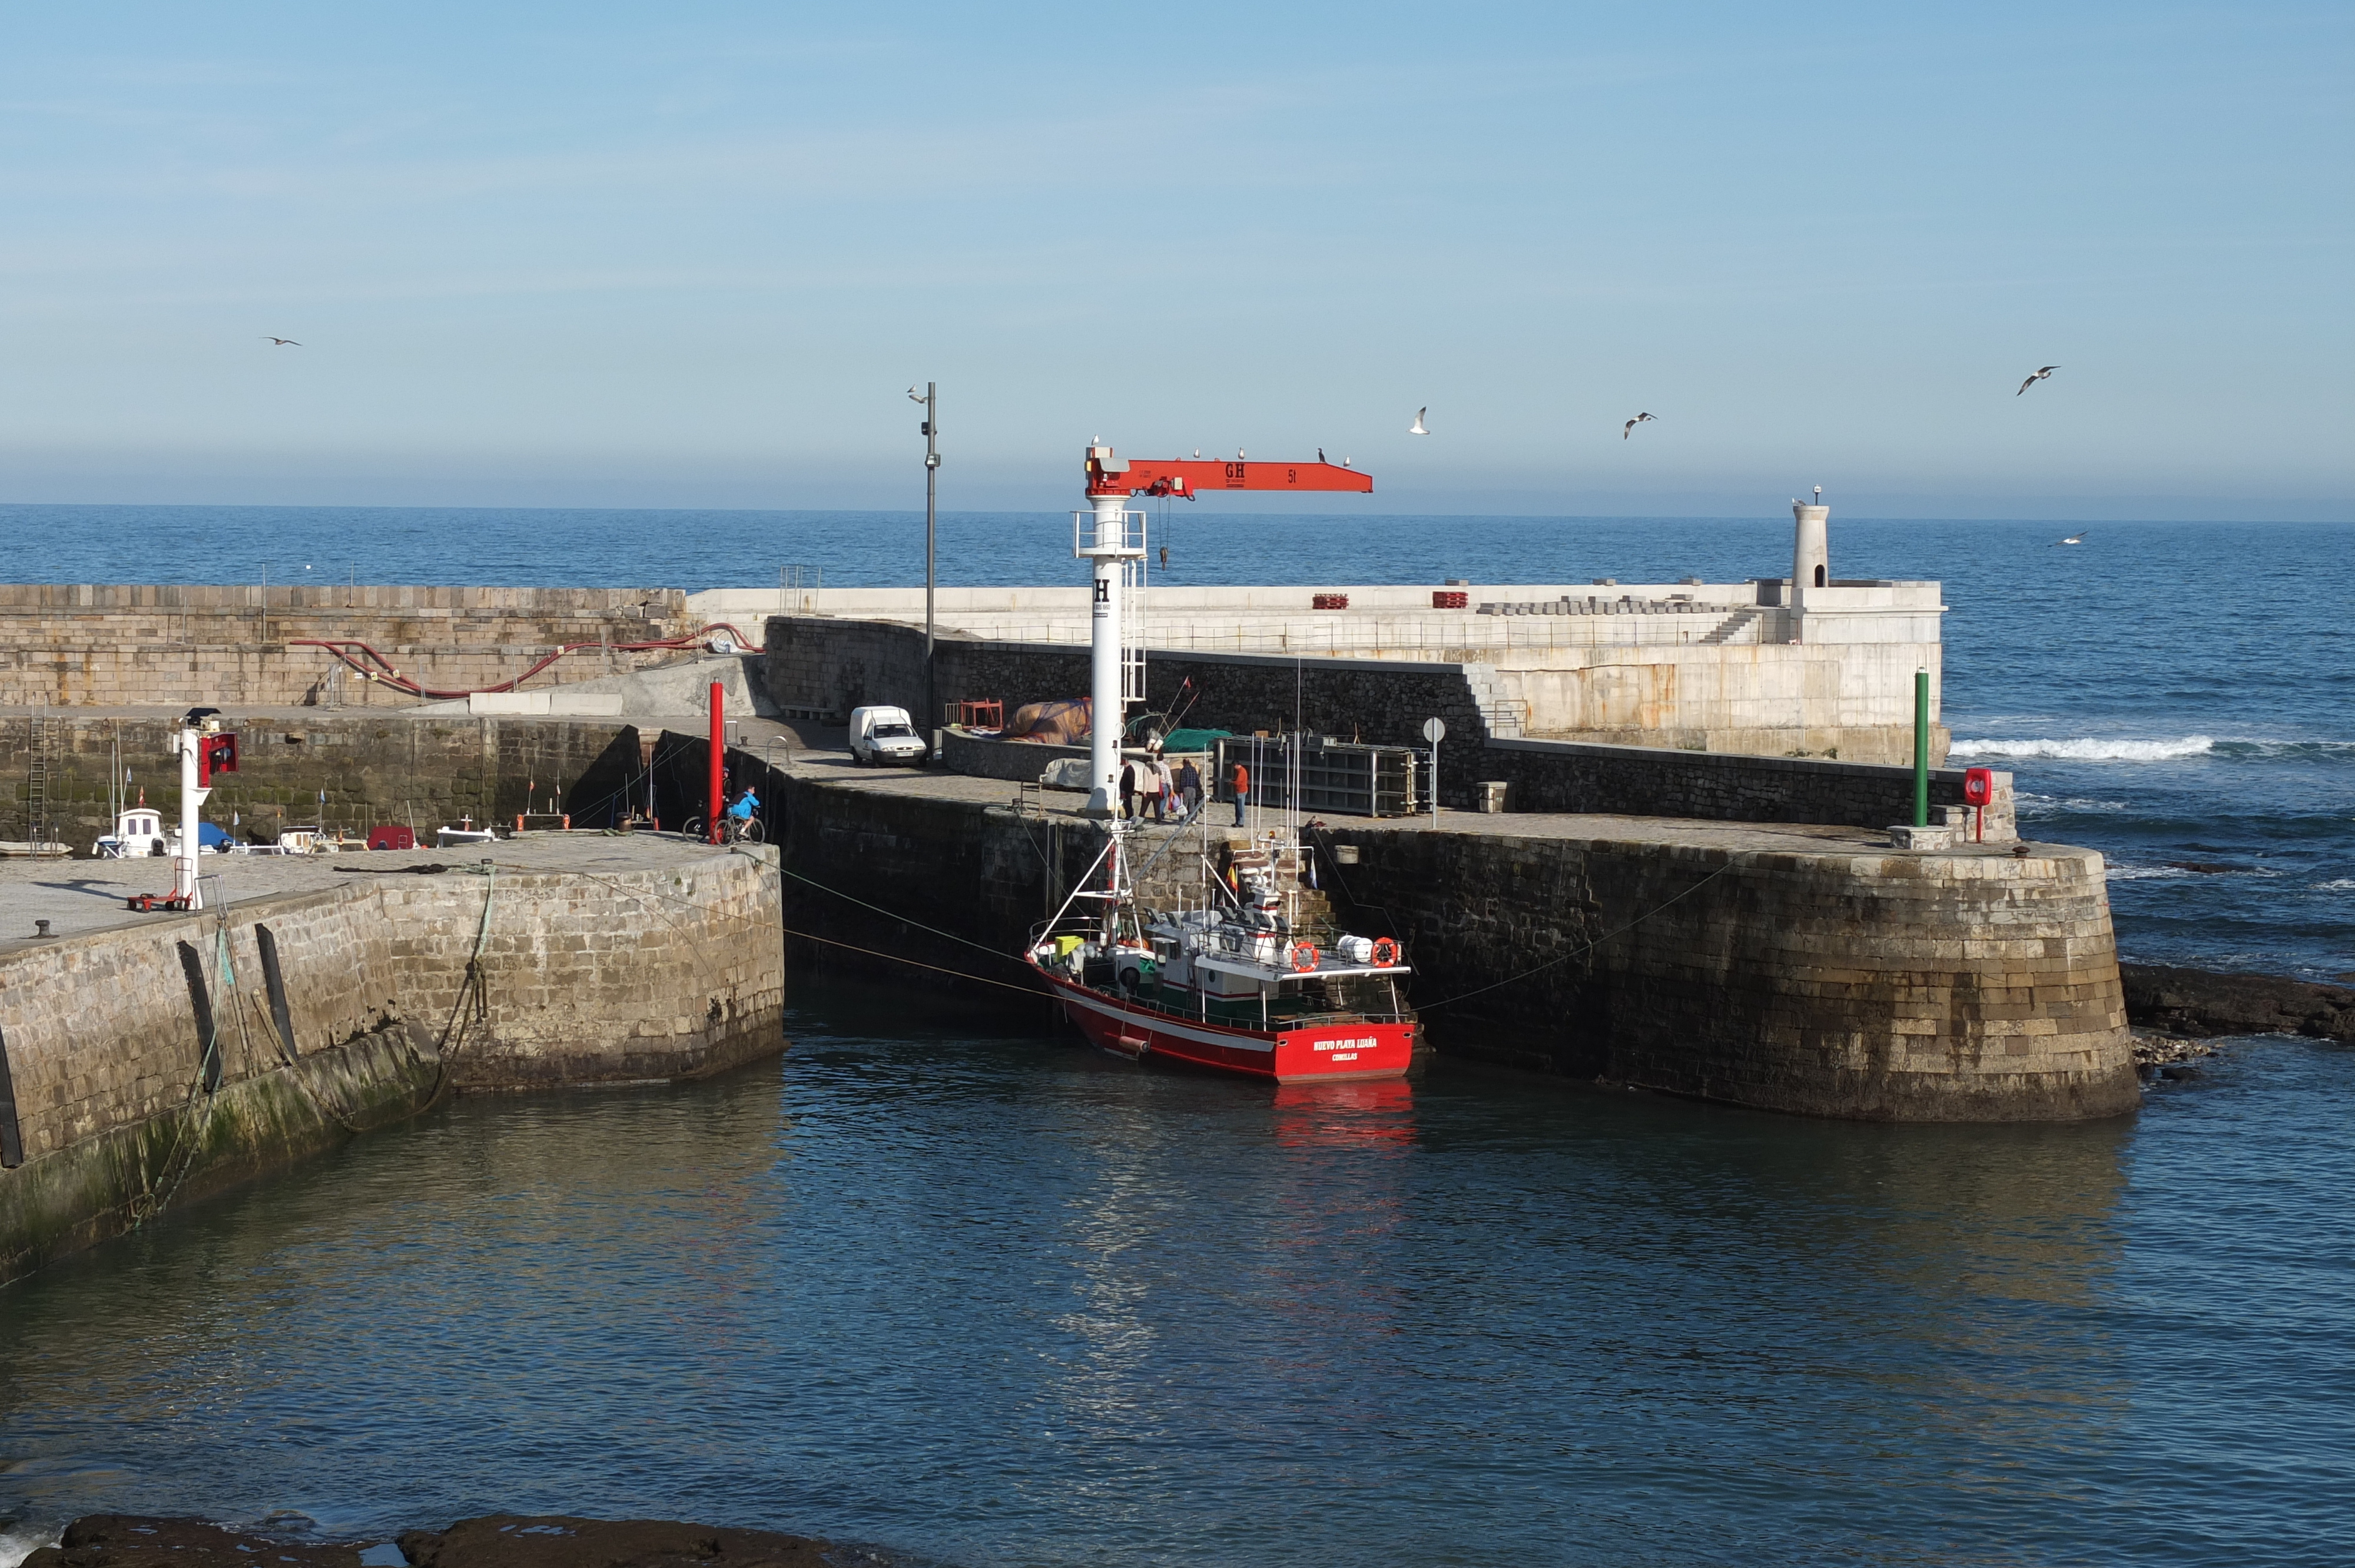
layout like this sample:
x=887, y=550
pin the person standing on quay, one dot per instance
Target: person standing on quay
x=1240, y=780
x=1128, y=792
x=1189, y=787
x=1161, y=789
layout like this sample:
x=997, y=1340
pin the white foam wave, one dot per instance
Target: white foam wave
x=2148, y=874
x=2027, y=803
x=2089, y=751
x=21, y=1542
x=2336, y=884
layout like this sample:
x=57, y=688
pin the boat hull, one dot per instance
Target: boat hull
x=1316, y=1053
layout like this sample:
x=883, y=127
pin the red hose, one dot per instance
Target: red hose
x=339, y=647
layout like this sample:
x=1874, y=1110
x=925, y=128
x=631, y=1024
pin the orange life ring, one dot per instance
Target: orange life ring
x=1386, y=951
x=1304, y=957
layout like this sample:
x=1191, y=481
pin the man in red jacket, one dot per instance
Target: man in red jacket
x=1240, y=780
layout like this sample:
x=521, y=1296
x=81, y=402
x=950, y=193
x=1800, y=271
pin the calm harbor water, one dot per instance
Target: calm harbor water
x=989, y=1299
x=976, y=1295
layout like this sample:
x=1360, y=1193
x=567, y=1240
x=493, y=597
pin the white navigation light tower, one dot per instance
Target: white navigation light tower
x=1811, y=558
x=1112, y=537
x=202, y=748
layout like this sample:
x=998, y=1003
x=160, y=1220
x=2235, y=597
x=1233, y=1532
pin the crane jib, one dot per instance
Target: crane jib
x=1186, y=477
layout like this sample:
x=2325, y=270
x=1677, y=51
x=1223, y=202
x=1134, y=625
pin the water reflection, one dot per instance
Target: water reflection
x=1005, y=1301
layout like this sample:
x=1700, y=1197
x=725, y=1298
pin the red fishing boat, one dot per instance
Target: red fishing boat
x=1234, y=985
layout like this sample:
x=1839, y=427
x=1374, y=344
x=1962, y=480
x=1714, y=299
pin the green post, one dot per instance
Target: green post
x=1921, y=748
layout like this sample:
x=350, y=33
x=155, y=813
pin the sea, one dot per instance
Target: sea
x=952, y=1287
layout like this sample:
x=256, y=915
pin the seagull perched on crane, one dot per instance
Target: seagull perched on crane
x=1629, y=427
x=283, y=342
x=2043, y=375
x=1417, y=427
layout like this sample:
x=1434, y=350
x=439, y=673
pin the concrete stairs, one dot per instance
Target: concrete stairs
x=1732, y=626
x=1504, y=715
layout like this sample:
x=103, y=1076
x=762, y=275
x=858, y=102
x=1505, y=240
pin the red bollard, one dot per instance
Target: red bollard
x=719, y=750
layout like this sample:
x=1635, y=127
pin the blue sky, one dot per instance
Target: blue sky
x=692, y=255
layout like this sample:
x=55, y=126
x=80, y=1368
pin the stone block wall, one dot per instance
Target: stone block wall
x=1846, y=983
x=651, y=973
x=1864, y=985
x=101, y=1030
x=1647, y=781
x=374, y=769
x=837, y=665
x=146, y=646
x=594, y=978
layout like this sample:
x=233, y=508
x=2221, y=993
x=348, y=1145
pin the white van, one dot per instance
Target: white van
x=879, y=736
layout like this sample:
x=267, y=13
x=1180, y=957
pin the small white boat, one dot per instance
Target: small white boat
x=138, y=833
x=141, y=832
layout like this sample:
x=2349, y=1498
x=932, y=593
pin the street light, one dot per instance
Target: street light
x=931, y=427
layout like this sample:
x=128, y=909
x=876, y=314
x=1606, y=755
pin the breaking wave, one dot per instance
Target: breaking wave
x=2089, y=751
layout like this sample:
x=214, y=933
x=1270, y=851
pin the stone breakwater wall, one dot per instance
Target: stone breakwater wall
x=832, y=666
x=371, y=769
x=1870, y=985
x=151, y=1064
x=1837, y=981
x=120, y=645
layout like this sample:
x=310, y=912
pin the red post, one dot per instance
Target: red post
x=718, y=752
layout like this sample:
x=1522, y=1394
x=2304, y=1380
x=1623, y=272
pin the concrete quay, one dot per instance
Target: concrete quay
x=1803, y=969
x=151, y=1059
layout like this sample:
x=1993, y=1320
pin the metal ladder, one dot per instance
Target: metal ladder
x=42, y=741
x=1132, y=631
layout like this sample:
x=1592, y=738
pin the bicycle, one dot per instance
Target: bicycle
x=732, y=830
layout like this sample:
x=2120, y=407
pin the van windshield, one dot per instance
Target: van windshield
x=892, y=731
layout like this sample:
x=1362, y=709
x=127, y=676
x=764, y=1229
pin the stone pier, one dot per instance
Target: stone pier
x=1802, y=968
x=150, y=1059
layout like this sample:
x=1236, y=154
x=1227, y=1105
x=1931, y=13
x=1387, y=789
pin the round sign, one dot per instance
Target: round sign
x=1433, y=731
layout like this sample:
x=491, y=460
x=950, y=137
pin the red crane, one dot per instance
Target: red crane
x=1109, y=475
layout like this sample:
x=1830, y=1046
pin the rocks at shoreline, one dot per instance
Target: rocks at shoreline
x=2199, y=1003
x=497, y=1541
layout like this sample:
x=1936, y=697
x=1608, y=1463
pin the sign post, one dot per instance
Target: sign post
x=1434, y=731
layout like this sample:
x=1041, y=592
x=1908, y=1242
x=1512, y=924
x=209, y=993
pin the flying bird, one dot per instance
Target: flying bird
x=1629, y=427
x=2043, y=375
x=283, y=342
x=2071, y=539
x=1416, y=428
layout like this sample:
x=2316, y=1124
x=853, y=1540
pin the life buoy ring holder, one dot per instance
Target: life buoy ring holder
x=1386, y=951
x=1304, y=957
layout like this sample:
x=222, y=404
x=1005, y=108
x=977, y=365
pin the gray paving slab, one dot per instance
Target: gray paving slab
x=78, y=896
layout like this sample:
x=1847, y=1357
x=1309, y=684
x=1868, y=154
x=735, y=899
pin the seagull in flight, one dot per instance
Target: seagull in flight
x=2071, y=539
x=1629, y=427
x=1417, y=429
x=2043, y=375
x=283, y=342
